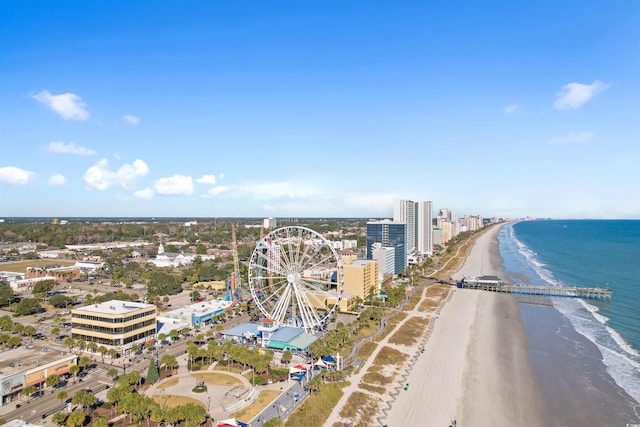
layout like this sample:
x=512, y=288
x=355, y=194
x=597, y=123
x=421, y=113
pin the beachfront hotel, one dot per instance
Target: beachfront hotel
x=418, y=216
x=114, y=324
x=389, y=234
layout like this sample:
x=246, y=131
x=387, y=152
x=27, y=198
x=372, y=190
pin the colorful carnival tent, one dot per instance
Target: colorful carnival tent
x=329, y=359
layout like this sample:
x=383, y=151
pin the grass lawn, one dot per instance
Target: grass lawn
x=215, y=378
x=392, y=322
x=360, y=408
x=21, y=266
x=366, y=349
x=172, y=400
x=389, y=356
x=170, y=382
x=316, y=408
x=264, y=399
x=409, y=333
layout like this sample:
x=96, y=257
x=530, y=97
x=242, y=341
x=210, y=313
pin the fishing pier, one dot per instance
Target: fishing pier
x=495, y=284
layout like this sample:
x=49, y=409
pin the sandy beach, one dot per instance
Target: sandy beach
x=475, y=367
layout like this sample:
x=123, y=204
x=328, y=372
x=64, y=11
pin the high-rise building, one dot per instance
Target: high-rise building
x=425, y=227
x=385, y=257
x=389, y=234
x=361, y=278
x=418, y=216
x=405, y=211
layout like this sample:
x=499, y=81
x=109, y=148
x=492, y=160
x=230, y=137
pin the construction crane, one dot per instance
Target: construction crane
x=234, y=286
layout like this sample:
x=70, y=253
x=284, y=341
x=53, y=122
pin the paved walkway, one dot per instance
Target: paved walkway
x=216, y=397
x=400, y=373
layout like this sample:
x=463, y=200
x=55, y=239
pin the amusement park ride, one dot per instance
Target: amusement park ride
x=295, y=278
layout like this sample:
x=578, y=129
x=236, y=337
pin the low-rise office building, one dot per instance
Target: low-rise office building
x=114, y=324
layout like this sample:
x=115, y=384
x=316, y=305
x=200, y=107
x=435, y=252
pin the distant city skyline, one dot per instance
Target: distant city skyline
x=319, y=109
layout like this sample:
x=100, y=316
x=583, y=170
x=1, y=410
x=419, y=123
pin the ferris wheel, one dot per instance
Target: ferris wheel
x=296, y=278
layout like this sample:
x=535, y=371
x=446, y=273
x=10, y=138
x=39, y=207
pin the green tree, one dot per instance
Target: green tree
x=112, y=373
x=43, y=287
x=93, y=346
x=55, y=331
x=286, y=356
x=28, y=391
x=62, y=395
x=6, y=324
x=6, y=295
x=84, y=361
x=14, y=341
x=102, y=350
x=59, y=418
x=193, y=414
x=76, y=418
x=59, y=301
x=84, y=398
x=100, y=422
x=152, y=373
x=74, y=370
x=30, y=331
x=27, y=306
x=169, y=360
x=52, y=381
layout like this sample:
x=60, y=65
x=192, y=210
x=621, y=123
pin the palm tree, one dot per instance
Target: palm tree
x=112, y=353
x=76, y=418
x=112, y=373
x=28, y=391
x=92, y=346
x=52, y=381
x=102, y=350
x=70, y=342
x=30, y=331
x=83, y=362
x=62, y=395
x=74, y=370
x=59, y=418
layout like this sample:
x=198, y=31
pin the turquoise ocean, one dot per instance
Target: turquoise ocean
x=586, y=253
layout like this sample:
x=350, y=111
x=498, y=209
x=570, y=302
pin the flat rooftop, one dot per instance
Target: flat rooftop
x=200, y=308
x=113, y=307
x=23, y=358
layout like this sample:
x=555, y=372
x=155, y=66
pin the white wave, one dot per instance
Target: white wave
x=594, y=311
x=622, y=343
x=621, y=360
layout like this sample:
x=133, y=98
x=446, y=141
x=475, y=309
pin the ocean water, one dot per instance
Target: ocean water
x=586, y=253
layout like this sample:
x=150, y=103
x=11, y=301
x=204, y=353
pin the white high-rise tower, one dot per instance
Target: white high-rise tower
x=418, y=216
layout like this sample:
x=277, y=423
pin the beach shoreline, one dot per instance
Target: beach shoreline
x=475, y=368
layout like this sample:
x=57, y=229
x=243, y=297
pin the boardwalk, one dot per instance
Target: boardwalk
x=545, y=291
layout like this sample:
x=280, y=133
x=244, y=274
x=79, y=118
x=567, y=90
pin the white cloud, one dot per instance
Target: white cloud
x=511, y=108
x=215, y=191
x=573, y=138
x=206, y=179
x=174, y=185
x=15, y=176
x=131, y=119
x=271, y=190
x=146, y=194
x=574, y=95
x=68, y=105
x=100, y=177
x=71, y=148
x=57, y=179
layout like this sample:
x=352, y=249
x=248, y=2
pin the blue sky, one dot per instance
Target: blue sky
x=319, y=108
